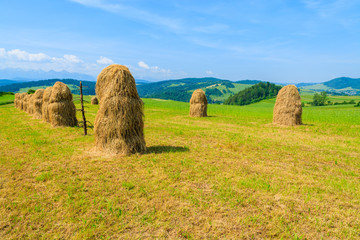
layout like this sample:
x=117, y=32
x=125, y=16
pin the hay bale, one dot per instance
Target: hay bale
x=94, y=100
x=119, y=125
x=198, y=104
x=288, y=110
x=36, y=103
x=45, y=104
x=61, y=108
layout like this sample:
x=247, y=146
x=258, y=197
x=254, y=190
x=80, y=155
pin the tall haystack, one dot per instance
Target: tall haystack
x=198, y=104
x=36, y=103
x=288, y=110
x=45, y=104
x=94, y=100
x=26, y=102
x=119, y=125
x=62, y=111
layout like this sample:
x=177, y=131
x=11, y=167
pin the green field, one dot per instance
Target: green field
x=232, y=175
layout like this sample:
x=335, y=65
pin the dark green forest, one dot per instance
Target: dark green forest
x=254, y=94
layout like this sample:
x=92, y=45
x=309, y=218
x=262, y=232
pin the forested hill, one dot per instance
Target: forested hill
x=181, y=89
x=89, y=86
x=254, y=94
x=343, y=82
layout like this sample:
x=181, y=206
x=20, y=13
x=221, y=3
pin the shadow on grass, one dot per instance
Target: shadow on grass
x=166, y=149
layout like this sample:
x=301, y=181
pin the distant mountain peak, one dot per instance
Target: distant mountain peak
x=31, y=75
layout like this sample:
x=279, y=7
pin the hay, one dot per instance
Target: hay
x=119, y=125
x=36, y=103
x=62, y=111
x=198, y=104
x=21, y=101
x=30, y=108
x=45, y=104
x=288, y=110
x=16, y=100
x=26, y=99
x=94, y=100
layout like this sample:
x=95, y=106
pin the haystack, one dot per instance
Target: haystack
x=16, y=100
x=198, y=104
x=94, y=100
x=288, y=110
x=36, y=103
x=20, y=102
x=119, y=125
x=62, y=111
x=45, y=104
x=26, y=102
x=30, y=108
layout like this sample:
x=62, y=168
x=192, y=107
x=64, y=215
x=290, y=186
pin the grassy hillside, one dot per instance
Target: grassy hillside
x=229, y=176
x=343, y=85
x=216, y=90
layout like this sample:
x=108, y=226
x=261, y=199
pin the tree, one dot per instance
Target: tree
x=319, y=99
x=31, y=91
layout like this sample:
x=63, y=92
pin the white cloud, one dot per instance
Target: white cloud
x=72, y=58
x=143, y=65
x=104, y=61
x=2, y=52
x=209, y=72
x=154, y=69
x=17, y=58
x=25, y=56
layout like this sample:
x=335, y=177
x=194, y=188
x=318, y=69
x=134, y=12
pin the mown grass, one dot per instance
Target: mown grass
x=232, y=175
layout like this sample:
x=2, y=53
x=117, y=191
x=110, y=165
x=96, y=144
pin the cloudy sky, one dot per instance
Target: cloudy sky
x=277, y=40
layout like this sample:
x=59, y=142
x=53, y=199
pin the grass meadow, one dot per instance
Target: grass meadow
x=232, y=175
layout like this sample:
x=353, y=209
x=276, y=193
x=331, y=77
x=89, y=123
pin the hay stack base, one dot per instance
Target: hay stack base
x=45, y=104
x=36, y=103
x=61, y=109
x=119, y=125
x=288, y=110
x=198, y=104
x=94, y=100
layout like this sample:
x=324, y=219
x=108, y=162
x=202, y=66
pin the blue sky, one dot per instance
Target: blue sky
x=279, y=40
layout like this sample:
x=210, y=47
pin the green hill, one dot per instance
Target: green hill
x=255, y=93
x=89, y=86
x=337, y=86
x=216, y=90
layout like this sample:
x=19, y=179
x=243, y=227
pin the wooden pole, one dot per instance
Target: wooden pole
x=82, y=109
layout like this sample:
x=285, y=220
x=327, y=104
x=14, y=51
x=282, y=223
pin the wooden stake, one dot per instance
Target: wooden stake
x=82, y=109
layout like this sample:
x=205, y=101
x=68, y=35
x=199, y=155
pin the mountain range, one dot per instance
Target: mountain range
x=216, y=90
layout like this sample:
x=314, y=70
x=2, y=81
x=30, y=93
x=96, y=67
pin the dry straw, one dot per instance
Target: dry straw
x=20, y=102
x=94, y=100
x=288, y=110
x=36, y=103
x=61, y=109
x=198, y=104
x=44, y=108
x=26, y=102
x=16, y=100
x=119, y=125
